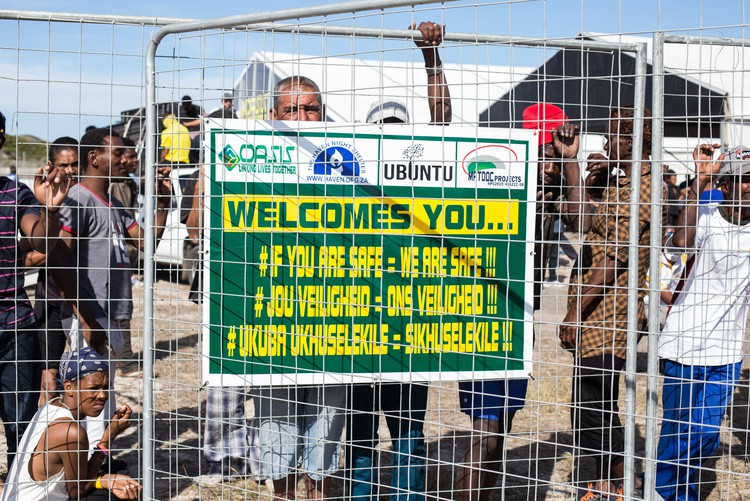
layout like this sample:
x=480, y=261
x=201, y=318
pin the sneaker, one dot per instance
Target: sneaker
x=590, y=495
x=620, y=493
x=637, y=493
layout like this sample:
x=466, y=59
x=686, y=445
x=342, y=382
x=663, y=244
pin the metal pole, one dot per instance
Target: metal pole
x=148, y=278
x=319, y=29
x=633, y=285
x=268, y=17
x=688, y=39
x=458, y=37
x=657, y=140
x=148, y=272
x=69, y=17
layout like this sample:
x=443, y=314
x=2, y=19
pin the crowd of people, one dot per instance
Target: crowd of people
x=79, y=226
x=60, y=415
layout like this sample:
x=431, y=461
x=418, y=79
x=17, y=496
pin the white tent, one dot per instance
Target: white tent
x=351, y=85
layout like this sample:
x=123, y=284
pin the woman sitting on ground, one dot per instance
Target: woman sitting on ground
x=52, y=462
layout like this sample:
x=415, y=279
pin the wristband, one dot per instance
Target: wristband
x=103, y=449
x=433, y=72
x=46, y=209
x=98, y=483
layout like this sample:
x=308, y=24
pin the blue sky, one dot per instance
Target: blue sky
x=55, y=79
x=524, y=17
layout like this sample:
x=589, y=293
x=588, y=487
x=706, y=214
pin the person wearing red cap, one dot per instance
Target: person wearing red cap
x=547, y=118
x=595, y=326
x=492, y=404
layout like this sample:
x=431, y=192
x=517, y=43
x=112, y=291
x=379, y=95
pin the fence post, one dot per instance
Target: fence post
x=150, y=160
x=641, y=67
x=652, y=390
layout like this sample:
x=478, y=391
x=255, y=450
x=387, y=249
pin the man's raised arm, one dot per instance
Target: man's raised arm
x=438, y=94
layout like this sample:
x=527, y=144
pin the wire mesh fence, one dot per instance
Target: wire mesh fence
x=433, y=287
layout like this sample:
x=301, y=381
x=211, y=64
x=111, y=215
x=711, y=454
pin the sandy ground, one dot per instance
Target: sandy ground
x=539, y=459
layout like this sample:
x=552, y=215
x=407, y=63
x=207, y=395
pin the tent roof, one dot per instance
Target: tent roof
x=723, y=69
x=351, y=85
x=588, y=84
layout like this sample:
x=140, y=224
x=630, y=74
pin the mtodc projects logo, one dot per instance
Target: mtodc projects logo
x=229, y=157
x=493, y=165
x=338, y=162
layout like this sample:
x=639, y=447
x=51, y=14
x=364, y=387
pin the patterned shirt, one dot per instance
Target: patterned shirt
x=16, y=200
x=603, y=328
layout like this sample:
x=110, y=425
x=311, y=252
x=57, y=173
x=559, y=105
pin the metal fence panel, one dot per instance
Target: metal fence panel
x=65, y=71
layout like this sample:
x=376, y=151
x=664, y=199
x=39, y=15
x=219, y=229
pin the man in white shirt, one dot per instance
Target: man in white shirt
x=701, y=344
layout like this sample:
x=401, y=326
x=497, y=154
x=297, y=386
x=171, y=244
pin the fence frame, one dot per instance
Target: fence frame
x=652, y=382
x=269, y=21
x=660, y=39
x=250, y=20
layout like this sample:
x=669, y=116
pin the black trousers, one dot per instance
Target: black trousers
x=594, y=415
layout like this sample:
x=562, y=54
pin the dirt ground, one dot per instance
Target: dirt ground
x=539, y=459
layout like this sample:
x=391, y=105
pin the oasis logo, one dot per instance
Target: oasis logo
x=336, y=161
x=411, y=170
x=260, y=159
x=492, y=164
x=229, y=157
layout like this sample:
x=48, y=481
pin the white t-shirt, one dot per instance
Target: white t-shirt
x=670, y=273
x=706, y=324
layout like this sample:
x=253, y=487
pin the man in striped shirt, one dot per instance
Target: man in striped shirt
x=34, y=214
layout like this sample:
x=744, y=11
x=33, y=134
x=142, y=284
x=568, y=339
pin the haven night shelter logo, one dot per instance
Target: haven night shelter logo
x=338, y=162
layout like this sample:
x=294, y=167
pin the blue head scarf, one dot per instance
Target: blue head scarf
x=75, y=365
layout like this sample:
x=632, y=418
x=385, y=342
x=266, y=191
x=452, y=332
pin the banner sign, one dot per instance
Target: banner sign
x=354, y=253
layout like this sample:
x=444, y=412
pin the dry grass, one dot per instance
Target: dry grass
x=538, y=458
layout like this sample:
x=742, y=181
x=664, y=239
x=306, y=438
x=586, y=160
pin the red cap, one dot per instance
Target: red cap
x=545, y=118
